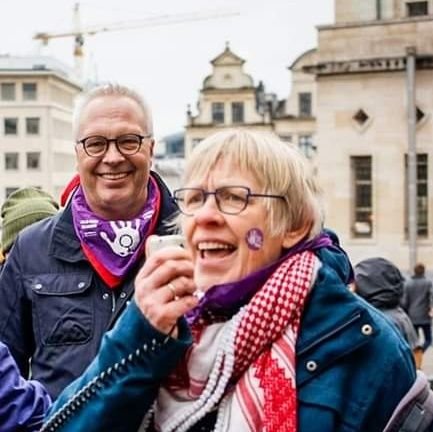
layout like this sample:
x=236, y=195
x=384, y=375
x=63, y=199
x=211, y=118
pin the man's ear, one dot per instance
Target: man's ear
x=293, y=237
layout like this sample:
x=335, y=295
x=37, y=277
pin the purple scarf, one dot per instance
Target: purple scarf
x=114, y=247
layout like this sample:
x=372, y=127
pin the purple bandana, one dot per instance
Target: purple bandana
x=225, y=300
x=113, y=247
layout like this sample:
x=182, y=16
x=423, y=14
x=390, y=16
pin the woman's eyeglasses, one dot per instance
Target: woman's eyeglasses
x=229, y=199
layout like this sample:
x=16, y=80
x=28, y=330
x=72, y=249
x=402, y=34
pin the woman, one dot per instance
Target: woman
x=280, y=343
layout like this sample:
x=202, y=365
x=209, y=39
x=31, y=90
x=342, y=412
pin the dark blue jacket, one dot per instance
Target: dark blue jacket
x=353, y=367
x=122, y=381
x=54, y=308
x=22, y=403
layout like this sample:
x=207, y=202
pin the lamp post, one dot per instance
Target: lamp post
x=411, y=155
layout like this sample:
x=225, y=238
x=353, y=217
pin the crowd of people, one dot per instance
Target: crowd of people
x=249, y=327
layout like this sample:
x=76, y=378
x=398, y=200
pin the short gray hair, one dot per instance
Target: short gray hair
x=110, y=89
x=279, y=168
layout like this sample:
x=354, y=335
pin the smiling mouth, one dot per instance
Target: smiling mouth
x=215, y=249
x=114, y=176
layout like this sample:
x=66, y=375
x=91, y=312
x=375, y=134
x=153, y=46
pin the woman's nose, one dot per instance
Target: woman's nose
x=209, y=210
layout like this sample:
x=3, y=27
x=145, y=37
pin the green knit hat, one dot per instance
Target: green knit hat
x=24, y=207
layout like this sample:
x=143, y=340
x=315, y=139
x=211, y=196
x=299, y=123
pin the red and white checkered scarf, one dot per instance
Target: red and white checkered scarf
x=245, y=367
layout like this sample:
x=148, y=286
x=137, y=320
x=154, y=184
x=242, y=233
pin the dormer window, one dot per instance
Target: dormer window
x=417, y=8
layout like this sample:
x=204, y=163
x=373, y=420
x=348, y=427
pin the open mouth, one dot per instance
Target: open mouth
x=215, y=249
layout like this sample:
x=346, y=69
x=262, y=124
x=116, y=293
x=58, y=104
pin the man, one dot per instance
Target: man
x=418, y=302
x=68, y=278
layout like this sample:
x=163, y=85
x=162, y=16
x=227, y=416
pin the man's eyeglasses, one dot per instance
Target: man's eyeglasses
x=127, y=145
x=229, y=199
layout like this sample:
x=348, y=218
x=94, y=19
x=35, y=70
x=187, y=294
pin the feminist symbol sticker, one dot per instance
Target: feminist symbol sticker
x=254, y=239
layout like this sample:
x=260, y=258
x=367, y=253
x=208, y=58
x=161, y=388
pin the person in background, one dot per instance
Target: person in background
x=23, y=404
x=279, y=342
x=68, y=278
x=22, y=208
x=380, y=282
x=418, y=303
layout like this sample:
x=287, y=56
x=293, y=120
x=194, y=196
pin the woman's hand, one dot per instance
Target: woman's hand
x=164, y=287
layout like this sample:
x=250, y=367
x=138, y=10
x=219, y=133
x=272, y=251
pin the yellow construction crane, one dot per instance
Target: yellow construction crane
x=78, y=33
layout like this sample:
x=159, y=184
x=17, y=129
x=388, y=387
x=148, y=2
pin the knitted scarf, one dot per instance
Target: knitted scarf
x=245, y=366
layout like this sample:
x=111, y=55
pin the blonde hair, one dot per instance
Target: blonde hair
x=110, y=89
x=279, y=169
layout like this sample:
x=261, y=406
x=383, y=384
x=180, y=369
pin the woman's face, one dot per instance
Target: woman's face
x=226, y=248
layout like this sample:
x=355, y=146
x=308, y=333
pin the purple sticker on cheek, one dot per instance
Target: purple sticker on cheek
x=254, y=238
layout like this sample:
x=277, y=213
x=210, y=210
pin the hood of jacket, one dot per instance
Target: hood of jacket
x=379, y=282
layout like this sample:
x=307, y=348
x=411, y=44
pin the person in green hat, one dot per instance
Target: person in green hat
x=21, y=208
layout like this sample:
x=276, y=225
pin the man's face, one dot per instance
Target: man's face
x=115, y=186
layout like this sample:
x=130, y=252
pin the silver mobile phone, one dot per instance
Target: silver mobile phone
x=156, y=243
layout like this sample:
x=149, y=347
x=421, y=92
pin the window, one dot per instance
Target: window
x=237, y=112
x=7, y=91
x=9, y=190
x=417, y=8
x=362, y=212
x=11, y=161
x=422, y=195
x=29, y=91
x=286, y=138
x=32, y=125
x=196, y=141
x=305, y=105
x=33, y=160
x=11, y=126
x=306, y=145
x=218, y=112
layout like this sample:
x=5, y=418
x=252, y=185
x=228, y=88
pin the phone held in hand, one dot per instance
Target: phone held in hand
x=156, y=243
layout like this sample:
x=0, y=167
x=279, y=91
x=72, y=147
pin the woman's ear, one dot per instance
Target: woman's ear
x=293, y=237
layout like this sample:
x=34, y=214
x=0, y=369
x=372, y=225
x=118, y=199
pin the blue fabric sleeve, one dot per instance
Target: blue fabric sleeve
x=15, y=316
x=22, y=403
x=120, y=385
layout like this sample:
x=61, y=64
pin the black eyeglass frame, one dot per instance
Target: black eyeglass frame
x=215, y=193
x=116, y=143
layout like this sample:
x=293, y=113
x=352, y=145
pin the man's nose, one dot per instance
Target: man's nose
x=112, y=154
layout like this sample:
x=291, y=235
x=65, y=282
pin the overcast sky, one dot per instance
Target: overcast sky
x=168, y=63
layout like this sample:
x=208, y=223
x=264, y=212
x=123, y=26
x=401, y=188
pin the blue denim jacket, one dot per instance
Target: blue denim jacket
x=353, y=367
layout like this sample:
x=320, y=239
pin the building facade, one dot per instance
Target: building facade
x=230, y=98
x=348, y=112
x=36, y=104
x=361, y=73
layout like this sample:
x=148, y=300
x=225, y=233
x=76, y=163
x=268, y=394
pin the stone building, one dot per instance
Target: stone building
x=36, y=103
x=229, y=98
x=362, y=125
x=348, y=112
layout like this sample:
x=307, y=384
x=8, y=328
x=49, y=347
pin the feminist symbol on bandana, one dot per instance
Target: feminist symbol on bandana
x=126, y=239
x=254, y=239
